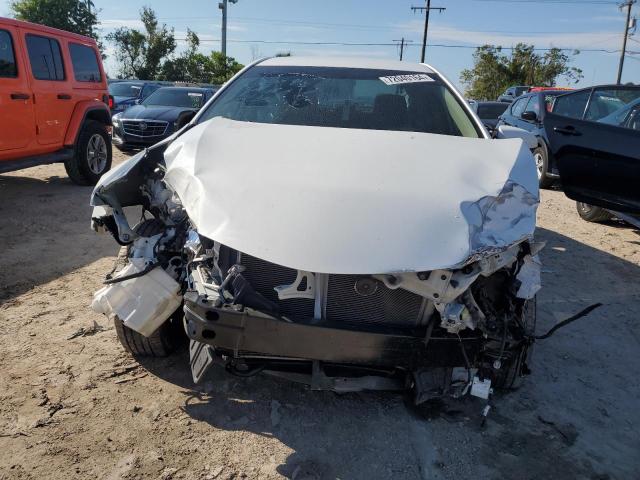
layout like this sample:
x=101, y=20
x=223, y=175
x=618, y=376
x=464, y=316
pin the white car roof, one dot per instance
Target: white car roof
x=347, y=62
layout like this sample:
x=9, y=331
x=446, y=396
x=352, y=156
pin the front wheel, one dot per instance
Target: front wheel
x=542, y=166
x=592, y=214
x=166, y=339
x=92, y=156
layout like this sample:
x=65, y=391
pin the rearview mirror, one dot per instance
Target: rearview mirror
x=506, y=131
x=529, y=116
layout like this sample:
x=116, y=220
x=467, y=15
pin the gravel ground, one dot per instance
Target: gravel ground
x=74, y=405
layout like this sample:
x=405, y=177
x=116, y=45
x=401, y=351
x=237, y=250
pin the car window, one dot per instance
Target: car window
x=627, y=116
x=605, y=102
x=125, y=89
x=45, y=58
x=344, y=98
x=521, y=90
x=8, y=66
x=175, y=97
x=85, y=63
x=149, y=89
x=533, y=105
x=572, y=104
x=518, y=107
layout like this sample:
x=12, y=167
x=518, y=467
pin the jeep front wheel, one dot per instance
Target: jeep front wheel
x=92, y=156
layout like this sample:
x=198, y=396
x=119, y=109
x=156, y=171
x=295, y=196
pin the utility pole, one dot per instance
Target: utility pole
x=402, y=43
x=223, y=5
x=627, y=25
x=427, y=9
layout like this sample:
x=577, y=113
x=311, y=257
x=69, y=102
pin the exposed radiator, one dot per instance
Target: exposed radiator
x=343, y=303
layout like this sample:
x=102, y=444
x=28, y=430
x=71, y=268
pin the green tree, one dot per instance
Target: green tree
x=196, y=67
x=77, y=16
x=143, y=54
x=493, y=71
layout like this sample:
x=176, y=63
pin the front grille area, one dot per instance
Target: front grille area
x=144, y=128
x=264, y=275
x=383, y=307
x=344, y=305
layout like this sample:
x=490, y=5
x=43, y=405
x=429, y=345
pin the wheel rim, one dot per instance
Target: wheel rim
x=539, y=163
x=584, y=207
x=97, y=153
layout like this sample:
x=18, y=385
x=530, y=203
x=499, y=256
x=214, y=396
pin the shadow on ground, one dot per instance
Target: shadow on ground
x=575, y=417
x=59, y=241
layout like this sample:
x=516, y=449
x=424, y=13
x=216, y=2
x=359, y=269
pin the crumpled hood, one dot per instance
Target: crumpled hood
x=334, y=200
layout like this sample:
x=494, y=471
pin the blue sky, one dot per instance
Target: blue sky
x=590, y=25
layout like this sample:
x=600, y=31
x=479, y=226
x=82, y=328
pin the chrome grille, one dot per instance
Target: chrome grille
x=144, y=128
x=383, y=307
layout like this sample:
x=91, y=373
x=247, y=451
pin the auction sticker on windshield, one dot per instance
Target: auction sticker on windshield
x=410, y=78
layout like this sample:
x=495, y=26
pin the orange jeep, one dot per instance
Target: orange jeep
x=54, y=102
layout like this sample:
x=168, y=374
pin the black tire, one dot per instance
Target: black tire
x=511, y=375
x=88, y=164
x=167, y=338
x=592, y=214
x=542, y=165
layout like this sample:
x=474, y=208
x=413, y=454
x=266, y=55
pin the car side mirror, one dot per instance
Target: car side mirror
x=507, y=131
x=529, y=116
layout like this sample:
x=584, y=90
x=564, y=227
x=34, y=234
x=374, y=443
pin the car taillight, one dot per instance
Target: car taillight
x=108, y=99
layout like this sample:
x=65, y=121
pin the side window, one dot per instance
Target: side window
x=85, y=63
x=608, y=102
x=45, y=58
x=8, y=68
x=533, y=105
x=518, y=107
x=572, y=104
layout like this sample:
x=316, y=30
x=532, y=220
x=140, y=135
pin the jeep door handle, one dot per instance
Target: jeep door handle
x=64, y=96
x=20, y=96
x=568, y=130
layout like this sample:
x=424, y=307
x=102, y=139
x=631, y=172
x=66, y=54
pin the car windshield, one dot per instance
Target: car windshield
x=491, y=110
x=125, y=89
x=521, y=90
x=175, y=97
x=344, y=98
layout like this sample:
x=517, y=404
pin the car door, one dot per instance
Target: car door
x=599, y=163
x=53, y=96
x=17, y=125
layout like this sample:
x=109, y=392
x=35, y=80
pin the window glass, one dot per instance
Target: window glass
x=627, y=116
x=518, y=107
x=85, y=63
x=343, y=98
x=572, y=104
x=45, y=58
x=149, y=89
x=533, y=105
x=125, y=89
x=608, y=102
x=8, y=66
x=175, y=97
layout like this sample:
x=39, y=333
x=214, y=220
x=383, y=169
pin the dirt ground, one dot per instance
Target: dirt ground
x=73, y=405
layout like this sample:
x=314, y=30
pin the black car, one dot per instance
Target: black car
x=489, y=112
x=127, y=93
x=594, y=137
x=528, y=112
x=165, y=111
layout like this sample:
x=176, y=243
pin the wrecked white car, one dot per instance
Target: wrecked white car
x=349, y=225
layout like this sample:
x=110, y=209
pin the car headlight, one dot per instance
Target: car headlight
x=115, y=119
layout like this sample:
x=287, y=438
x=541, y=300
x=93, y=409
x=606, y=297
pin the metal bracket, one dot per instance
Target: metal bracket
x=286, y=292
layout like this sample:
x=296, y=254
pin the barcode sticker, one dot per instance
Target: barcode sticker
x=410, y=78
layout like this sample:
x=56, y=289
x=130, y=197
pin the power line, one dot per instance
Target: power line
x=385, y=44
